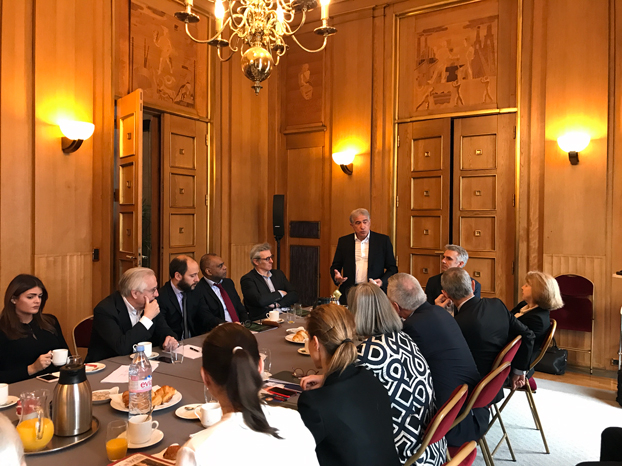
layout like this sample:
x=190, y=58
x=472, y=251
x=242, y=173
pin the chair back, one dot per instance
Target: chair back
x=82, y=333
x=578, y=309
x=507, y=354
x=545, y=344
x=465, y=456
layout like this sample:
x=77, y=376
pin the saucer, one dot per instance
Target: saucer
x=156, y=436
x=303, y=352
x=10, y=401
x=188, y=414
x=153, y=355
x=94, y=367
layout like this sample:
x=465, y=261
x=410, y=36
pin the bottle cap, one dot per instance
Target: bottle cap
x=140, y=348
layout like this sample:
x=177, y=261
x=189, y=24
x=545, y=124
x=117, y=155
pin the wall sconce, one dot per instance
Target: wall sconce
x=74, y=133
x=345, y=160
x=573, y=143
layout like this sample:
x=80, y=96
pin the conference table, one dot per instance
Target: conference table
x=185, y=377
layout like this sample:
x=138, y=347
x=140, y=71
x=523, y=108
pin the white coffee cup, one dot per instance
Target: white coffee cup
x=4, y=393
x=273, y=315
x=59, y=357
x=210, y=413
x=307, y=345
x=146, y=345
x=139, y=431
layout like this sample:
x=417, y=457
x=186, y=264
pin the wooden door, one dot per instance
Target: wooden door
x=128, y=251
x=184, y=189
x=423, y=196
x=484, y=221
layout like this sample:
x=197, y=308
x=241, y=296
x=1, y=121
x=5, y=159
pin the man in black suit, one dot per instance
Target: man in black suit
x=176, y=296
x=440, y=340
x=453, y=256
x=265, y=289
x=129, y=316
x=218, y=299
x=364, y=256
x=487, y=326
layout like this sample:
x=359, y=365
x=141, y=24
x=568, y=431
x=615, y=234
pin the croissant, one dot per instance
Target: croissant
x=300, y=336
x=156, y=398
x=166, y=392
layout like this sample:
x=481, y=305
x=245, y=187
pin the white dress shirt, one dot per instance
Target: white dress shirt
x=361, y=258
x=180, y=298
x=216, y=290
x=135, y=316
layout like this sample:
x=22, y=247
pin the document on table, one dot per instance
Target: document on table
x=191, y=351
x=121, y=374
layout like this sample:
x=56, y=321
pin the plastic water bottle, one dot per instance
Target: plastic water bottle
x=140, y=384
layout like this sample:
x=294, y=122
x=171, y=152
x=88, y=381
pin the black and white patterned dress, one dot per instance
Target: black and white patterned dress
x=398, y=364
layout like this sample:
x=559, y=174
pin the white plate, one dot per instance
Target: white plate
x=10, y=401
x=303, y=352
x=116, y=401
x=295, y=330
x=94, y=367
x=156, y=436
x=188, y=414
x=153, y=355
x=160, y=454
x=290, y=339
x=106, y=395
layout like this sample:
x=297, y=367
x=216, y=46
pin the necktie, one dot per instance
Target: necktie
x=228, y=303
x=185, y=316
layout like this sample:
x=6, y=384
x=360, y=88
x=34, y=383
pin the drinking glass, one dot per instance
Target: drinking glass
x=177, y=355
x=266, y=356
x=116, y=446
x=290, y=317
x=208, y=396
x=298, y=310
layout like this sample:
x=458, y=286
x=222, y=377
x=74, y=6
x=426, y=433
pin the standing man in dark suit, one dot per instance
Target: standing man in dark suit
x=176, y=296
x=454, y=256
x=129, y=316
x=487, y=326
x=443, y=346
x=219, y=301
x=265, y=289
x=364, y=256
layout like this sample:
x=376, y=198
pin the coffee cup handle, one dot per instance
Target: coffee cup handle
x=267, y=314
x=154, y=425
x=134, y=347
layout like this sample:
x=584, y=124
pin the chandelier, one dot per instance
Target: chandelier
x=257, y=30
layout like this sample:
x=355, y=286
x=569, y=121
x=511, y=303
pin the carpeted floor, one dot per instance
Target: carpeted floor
x=573, y=418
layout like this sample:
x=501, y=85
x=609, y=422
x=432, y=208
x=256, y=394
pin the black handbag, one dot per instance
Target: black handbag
x=554, y=360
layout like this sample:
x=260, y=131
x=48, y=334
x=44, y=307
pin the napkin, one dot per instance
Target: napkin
x=121, y=374
x=191, y=351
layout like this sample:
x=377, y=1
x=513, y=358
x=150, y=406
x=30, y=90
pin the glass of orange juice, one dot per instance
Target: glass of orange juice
x=116, y=440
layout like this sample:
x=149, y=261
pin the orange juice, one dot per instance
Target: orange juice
x=27, y=431
x=116, y=448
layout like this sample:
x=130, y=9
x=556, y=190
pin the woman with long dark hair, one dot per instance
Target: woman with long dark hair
x=249, y=432
x=27, y=336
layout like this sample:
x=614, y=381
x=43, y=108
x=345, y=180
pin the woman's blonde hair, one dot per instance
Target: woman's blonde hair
x=544, y=290
x=333, y=326
x=373, y=313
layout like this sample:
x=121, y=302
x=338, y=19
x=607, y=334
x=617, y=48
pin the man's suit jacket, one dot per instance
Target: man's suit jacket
x=433, y=288
x=538, y=320
x=211, y=311
x=350, y=419
x=113, y=334
x=258, y=297
x=488, y=326
x=380, y=264
x=451, y=363
x=169, y=307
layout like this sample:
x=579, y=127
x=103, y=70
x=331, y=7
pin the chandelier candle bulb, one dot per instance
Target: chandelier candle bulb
x=325, y=4
x=219, y=12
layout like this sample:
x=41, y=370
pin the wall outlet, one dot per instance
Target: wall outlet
x=614, y=362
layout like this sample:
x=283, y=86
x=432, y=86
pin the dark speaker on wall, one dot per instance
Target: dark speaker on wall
x=278, y=216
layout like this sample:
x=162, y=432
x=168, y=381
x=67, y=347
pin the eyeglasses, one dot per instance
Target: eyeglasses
x=300, y=373
x=267, y=259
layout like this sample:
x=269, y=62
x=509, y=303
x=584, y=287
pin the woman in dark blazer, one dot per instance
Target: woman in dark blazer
x=540, y=295
x=27, y=336
x=348, y=411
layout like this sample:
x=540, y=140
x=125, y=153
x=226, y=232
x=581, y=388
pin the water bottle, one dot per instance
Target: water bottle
x=139, y=384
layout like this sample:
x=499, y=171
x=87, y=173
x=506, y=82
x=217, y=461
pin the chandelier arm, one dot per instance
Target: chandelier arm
x=224, y=60
x=195, y=40
x=309, y=50
x=302, y=23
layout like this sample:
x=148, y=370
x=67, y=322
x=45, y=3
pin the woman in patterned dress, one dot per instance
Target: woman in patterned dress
x=394, y=358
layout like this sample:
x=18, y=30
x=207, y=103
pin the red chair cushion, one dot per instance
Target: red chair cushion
x=82, y=333
x=489, y=392
x=449, y=419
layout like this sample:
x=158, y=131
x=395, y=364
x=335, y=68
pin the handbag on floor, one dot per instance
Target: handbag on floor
x=554, y=360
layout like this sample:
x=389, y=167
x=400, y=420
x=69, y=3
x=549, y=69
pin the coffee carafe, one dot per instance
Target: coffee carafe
x=72, y=409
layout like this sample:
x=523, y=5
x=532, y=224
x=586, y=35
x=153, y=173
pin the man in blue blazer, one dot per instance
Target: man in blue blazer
x=363, y=256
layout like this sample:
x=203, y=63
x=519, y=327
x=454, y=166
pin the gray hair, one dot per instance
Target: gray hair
x=255, y=250
x=357, y=212
x=406, y=291
x=457, y=283
x=373, y=314
x=134, y=280
x=463, y=255
x=11, y=448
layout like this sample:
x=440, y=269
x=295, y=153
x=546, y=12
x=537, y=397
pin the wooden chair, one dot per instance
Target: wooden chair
x=82, y=333
x=482, y=397
x=442, y=421
x=527, y=388
x=465, y=456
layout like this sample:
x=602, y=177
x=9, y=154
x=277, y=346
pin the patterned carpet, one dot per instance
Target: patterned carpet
x=573, y=418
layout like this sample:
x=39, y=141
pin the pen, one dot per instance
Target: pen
x=194, y=349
